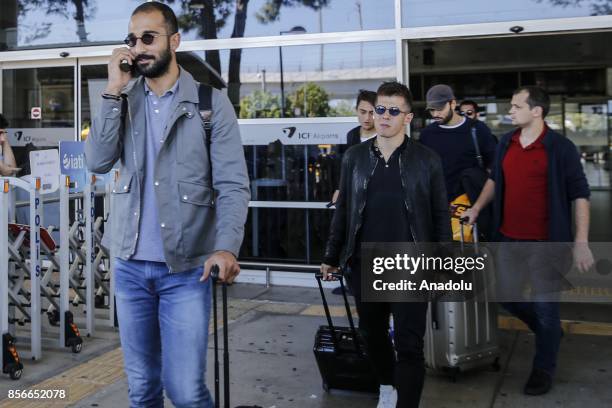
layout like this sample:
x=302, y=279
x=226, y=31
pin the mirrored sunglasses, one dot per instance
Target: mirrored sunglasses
x=393, y=110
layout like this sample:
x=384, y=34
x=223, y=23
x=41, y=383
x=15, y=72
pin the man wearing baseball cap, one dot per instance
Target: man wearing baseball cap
x=466, y=146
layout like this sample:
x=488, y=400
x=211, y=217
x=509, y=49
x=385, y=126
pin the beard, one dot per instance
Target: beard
x=158, y=67
x=446, y=119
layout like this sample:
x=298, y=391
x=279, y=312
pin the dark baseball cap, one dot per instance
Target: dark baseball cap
x=438, y=96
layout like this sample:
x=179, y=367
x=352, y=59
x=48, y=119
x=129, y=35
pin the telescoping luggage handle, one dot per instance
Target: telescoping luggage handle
x=349, y=315
x=462, y=222
x=214, y=274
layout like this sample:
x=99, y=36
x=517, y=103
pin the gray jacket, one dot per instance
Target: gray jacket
x=194, y=221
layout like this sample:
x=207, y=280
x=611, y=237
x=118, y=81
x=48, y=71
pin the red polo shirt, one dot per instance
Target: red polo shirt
x=525, y=171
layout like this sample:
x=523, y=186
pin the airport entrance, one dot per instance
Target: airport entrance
x=574, y=68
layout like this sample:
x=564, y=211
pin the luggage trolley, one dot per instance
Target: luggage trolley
x=102, y=264
x=9, y=358
x=59, y=258
x=90, y=273
x=30, y=307
x=80, y=239
x=56, y=259
x=47, y=281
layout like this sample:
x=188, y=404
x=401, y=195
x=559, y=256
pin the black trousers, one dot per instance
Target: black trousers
x=404, y=365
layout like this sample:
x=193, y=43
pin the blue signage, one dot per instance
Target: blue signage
x=72, y=163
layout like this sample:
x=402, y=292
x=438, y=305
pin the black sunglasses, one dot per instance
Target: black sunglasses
x=466, y=113
x=146, y=38
x=393, y=110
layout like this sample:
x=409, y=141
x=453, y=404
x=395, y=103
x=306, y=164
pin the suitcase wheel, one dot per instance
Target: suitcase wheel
x=15, y=373
x=76, y=348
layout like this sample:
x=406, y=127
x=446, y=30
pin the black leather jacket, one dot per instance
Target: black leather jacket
x=424, y=197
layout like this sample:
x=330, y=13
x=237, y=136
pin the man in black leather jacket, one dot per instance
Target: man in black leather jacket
x=391, y=190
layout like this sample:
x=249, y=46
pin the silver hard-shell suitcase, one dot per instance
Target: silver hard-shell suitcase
x=462, y=335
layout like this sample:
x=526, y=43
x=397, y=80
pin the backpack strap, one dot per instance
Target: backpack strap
x=205, y=108
x=476, y=146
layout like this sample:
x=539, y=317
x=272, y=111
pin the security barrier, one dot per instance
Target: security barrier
x=70, y=282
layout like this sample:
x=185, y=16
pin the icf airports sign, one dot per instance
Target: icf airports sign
x=295, y=131
x=39, y=136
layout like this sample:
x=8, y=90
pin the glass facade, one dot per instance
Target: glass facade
x=317, y=80
x=424, y=13
x=572, y=68
x=36, y=23
x=40, y=107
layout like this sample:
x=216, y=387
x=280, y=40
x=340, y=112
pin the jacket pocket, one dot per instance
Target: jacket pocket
x=195, y=193
x=122, y=225
x=123, y=184
x=197, y=218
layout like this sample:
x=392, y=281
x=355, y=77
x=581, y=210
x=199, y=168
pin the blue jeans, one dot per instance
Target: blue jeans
x=163, y=325
x=528, y=262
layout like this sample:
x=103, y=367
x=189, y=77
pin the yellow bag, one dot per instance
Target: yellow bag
x=458, y=207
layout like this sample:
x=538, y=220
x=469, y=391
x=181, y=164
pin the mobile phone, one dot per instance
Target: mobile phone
x=125, y=66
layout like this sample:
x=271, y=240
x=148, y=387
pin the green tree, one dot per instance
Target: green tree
x=260, y=104
x=309, y=100
x=207, y=17
x=343, y=108
x=270, y=10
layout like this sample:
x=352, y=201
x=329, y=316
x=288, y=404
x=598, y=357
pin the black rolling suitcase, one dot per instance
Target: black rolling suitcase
x=341, y=352
x=214, y=273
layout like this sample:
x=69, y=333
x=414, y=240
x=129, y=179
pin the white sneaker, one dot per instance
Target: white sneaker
x=387, y=397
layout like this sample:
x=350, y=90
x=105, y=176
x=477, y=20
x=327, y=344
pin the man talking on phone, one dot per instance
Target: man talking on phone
x=180, y=204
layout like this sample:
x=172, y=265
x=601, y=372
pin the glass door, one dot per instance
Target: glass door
x=488, y=70
x=39, y=101
x=93, y=76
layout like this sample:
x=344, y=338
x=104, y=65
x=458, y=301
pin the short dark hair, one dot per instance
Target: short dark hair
x=537, y=97
x=367, y=96
x=469, y=102
x=394, y=88
x=165, y=10
x=3, y=122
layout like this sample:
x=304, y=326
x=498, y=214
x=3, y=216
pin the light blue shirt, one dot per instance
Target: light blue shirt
x=149, y=246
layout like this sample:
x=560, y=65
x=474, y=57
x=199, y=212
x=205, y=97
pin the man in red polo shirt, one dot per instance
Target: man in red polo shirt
x=536, y=178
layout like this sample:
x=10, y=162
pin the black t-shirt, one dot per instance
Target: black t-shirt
x=456, y=149
x=385, y=218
